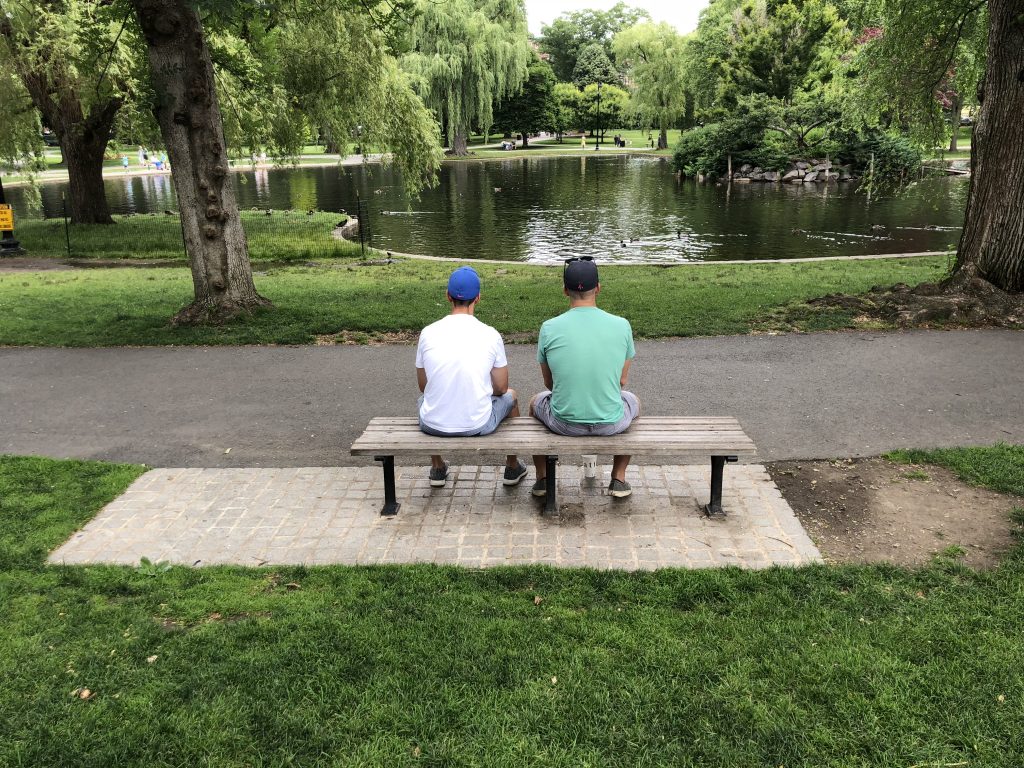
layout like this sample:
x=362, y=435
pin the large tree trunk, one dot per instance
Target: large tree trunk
x=526, y=139
x=191, y=126
x=954, y=121
x=992, y=243
x=663, y=139
x=83, y=146
x=83, y=138
x=460, y=144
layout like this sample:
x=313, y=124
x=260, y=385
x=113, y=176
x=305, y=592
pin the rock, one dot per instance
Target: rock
x=746, y=168
x=349, y=230
x=700, y=178
x=812, y=176
x=742, y=180
x=757, y=169
x=771, y=176
x=757, y=176
x=791, y=175
x=801, y=165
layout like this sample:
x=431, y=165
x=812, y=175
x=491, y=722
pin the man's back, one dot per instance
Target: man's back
x=458, y=353
x=586, y=349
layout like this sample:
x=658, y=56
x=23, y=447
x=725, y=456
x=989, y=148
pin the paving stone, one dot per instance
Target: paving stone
x=332, y=515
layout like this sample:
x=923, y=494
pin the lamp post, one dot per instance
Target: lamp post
x=597, y=144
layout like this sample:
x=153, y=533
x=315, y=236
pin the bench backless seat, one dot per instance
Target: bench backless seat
x=695, y=439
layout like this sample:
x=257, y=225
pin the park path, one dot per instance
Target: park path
x=798, y=396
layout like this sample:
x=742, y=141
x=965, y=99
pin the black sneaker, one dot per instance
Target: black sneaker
x=619, y=489
x=540, y=488
x=438, y=477
x=514, y=475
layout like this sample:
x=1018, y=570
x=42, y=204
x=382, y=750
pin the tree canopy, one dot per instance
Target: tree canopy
x=566, y=36
x=653, y=55
x=532, y=109
x=465, y=56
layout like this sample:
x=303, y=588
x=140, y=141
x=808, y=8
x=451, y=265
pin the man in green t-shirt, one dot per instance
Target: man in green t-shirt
x=584, y=356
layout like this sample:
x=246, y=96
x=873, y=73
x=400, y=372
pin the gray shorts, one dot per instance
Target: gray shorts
x=542, y=412
x=501, y=407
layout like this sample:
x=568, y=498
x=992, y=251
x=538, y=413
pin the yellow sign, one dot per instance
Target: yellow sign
x=6, y=219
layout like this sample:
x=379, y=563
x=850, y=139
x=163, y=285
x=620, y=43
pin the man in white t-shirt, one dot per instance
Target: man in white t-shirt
x=463, y=375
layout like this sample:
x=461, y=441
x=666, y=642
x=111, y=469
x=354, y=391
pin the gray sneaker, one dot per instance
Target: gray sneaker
x=619, y=489
x=540, y=488
x=514, y=475
x=438, y=477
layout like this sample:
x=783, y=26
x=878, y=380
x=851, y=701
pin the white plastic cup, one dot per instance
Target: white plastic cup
x=590, y=466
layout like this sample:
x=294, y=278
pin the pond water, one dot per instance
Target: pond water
x=625, y=209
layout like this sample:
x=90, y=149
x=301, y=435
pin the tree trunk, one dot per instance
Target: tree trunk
x=663, y=139
x=992, y=243
x=526, y=139
x=190, y=123
x=954, y=121
x=83, y=147
x=460, y=144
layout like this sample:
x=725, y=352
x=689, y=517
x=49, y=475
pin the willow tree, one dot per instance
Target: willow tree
x=76, y=62
x=654, y=59
x=465, y=56
x=911, y=57
x=280, y=66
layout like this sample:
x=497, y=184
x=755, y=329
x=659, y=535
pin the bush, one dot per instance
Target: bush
x=896, y=158
x=706, y=149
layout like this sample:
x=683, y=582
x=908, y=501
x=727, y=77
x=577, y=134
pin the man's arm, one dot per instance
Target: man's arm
x=625, y=374
x=421, y=378
x=499, y=380
x=545, y=371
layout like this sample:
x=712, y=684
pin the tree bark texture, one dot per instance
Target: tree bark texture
x=663, y=139
x=189, y=116
x=526, y=139
x=460, y=143
x=992, y=243
x=83, y=140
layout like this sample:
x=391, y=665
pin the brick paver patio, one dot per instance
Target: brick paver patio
x=331, y=515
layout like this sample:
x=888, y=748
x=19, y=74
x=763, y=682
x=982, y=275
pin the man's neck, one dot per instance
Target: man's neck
x=591, y=302
x=463, y=310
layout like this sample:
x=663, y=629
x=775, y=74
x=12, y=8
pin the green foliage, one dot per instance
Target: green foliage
x=653, y=58
x=466, y=56
x=594, y=66
x=567, y=35
x=896, y=159
x=706, y=149
x=603, y=107
x=534, y=108
x=567, y=108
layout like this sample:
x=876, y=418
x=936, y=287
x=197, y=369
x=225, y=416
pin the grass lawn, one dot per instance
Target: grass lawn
x=281, y=236
x=439, y=666
x=132, y=306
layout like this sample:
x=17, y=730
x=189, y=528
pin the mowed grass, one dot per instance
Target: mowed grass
x=439, y=666
x=1000, y=467
x=281, y=236
x=132, y=306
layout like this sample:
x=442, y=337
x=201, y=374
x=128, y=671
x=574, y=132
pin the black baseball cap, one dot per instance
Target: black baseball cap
x=580, y=274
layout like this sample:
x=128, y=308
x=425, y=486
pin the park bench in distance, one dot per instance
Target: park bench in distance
x=695, y=439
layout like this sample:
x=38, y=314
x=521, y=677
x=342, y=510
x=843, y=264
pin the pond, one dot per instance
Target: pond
x=625, y=209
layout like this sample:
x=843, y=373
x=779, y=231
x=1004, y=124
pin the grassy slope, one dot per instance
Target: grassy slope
x=421, y=665
x=124, y=306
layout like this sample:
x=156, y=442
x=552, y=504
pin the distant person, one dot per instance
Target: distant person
x=163, y=158
x=462, y=372
x=124, y=162
x=584, y=357
x=145, y=157
x=142, y=156
x=583, y=141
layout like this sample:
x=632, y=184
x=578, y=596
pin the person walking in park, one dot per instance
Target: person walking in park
x=462, y=372
x=584, y=357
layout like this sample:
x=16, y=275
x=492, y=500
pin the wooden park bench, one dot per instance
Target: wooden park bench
x=694, y=439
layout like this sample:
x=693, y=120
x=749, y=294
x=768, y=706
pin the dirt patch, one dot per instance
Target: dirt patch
x=367, y=338
x=873, y=511
x=31, y=264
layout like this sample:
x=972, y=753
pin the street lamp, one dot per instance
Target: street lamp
x=597, y=144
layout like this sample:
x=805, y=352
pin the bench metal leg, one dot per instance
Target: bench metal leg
x=550, y=502
x=391, y=504
x=714, y=507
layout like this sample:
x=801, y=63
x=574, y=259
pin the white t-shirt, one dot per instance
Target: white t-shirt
x=458, y=353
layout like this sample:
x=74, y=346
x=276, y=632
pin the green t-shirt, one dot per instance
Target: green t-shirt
x=586, y=348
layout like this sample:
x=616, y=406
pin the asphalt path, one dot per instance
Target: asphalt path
x=797, y=396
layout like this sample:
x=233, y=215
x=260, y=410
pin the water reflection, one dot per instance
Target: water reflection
x=624, y=209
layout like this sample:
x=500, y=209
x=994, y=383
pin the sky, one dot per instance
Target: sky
x=682, y=14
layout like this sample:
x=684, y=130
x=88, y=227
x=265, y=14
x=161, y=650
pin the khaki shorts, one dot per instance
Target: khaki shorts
x=542, y=412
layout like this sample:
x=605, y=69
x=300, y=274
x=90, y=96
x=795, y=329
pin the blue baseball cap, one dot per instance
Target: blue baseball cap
x=464, y=284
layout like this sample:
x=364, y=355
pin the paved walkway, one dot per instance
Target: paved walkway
x=331, y=515
x=797, y=396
